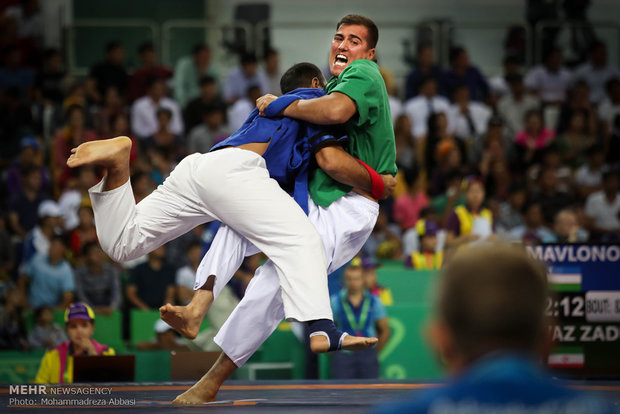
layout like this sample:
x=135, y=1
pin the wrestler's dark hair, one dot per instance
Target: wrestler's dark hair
x=300, y=75
x=481, y=301
x=356, y=19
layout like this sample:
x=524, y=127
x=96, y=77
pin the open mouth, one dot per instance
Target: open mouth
x=341, y=60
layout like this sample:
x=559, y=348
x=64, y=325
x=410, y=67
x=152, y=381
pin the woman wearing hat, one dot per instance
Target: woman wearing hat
x=428, y=258
x=472, y=221
x=57, y=364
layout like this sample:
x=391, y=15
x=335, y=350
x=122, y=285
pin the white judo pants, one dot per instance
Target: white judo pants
x=344, y=227
x=233, y=186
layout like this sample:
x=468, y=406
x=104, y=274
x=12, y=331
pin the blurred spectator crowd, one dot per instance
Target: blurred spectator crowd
x=529, y=155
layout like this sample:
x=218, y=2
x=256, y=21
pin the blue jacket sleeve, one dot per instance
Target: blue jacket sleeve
x=280, y=104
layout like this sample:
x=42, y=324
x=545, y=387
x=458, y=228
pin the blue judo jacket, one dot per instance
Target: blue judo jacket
x=292, y=143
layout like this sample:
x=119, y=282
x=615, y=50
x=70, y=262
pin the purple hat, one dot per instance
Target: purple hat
x=427, y=228
x=370, y=262
x=79, y=310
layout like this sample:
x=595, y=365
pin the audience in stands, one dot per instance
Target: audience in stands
x=110, y=72
x=149, y=68
x=211, y=131
x=272, y=71
x=469, y=118
x=243, y=106
x=73, y=133
x=166, y=339
x=241, y=78
x=97, y=281
x=533, y=139
x=144, y=111
x=151, y=284
x=186, y=275
x=420, y=107
x=472, y=221
x=428, y=257
x=12, y=326
x=194, y=110
x=513, y=106
x=48, y=279
x=550, y=81
x=187, y=72
x=462, y=72
x=597, y=71
x=603, y=208
x=57, y=364
x=423, y=68
x=408, y=205
x=46, y=333
x=23, y=205
x=39, y=238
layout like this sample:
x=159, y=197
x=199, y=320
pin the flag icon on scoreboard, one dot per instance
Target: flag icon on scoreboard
x=566, y=279
x=566, y=357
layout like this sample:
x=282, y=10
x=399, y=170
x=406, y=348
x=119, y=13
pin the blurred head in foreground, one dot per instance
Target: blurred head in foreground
x=490, y=299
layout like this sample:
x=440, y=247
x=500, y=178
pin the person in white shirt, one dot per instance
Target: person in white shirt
x=241, y=109
x=551, y=80
x=470, y=119
x=420, y=108
x=273, y=72
x=396, y=105
x=513, y=106
x=186, y=275
x=609, y=109
x=144, y=111
x=499, y=84
x=596, y=71
x=603, y=208
x=589, y=177
x=239, y=79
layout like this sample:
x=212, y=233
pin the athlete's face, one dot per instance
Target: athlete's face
x=349, y=44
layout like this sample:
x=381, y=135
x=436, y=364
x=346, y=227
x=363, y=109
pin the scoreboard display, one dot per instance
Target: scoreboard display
x=584, y=281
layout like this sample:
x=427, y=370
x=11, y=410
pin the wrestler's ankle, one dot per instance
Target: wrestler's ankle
x=327, y=329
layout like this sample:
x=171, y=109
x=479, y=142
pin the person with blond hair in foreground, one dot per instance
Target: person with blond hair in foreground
x=491, y=330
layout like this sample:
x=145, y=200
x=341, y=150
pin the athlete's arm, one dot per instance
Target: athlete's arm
x=335, y=108
x=342, y=167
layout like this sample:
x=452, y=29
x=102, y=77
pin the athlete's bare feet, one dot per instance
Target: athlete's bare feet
x=186, y=320
x=199, y=393
x=183, y=319
x=108, y=153
x=205, y=390
x=113, y=154
x=319, y=343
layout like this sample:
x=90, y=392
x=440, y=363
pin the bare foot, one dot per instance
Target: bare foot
x=184, y=319
x=110, y=153
x=319, y=343
x=199, y=393
x=205, y=390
